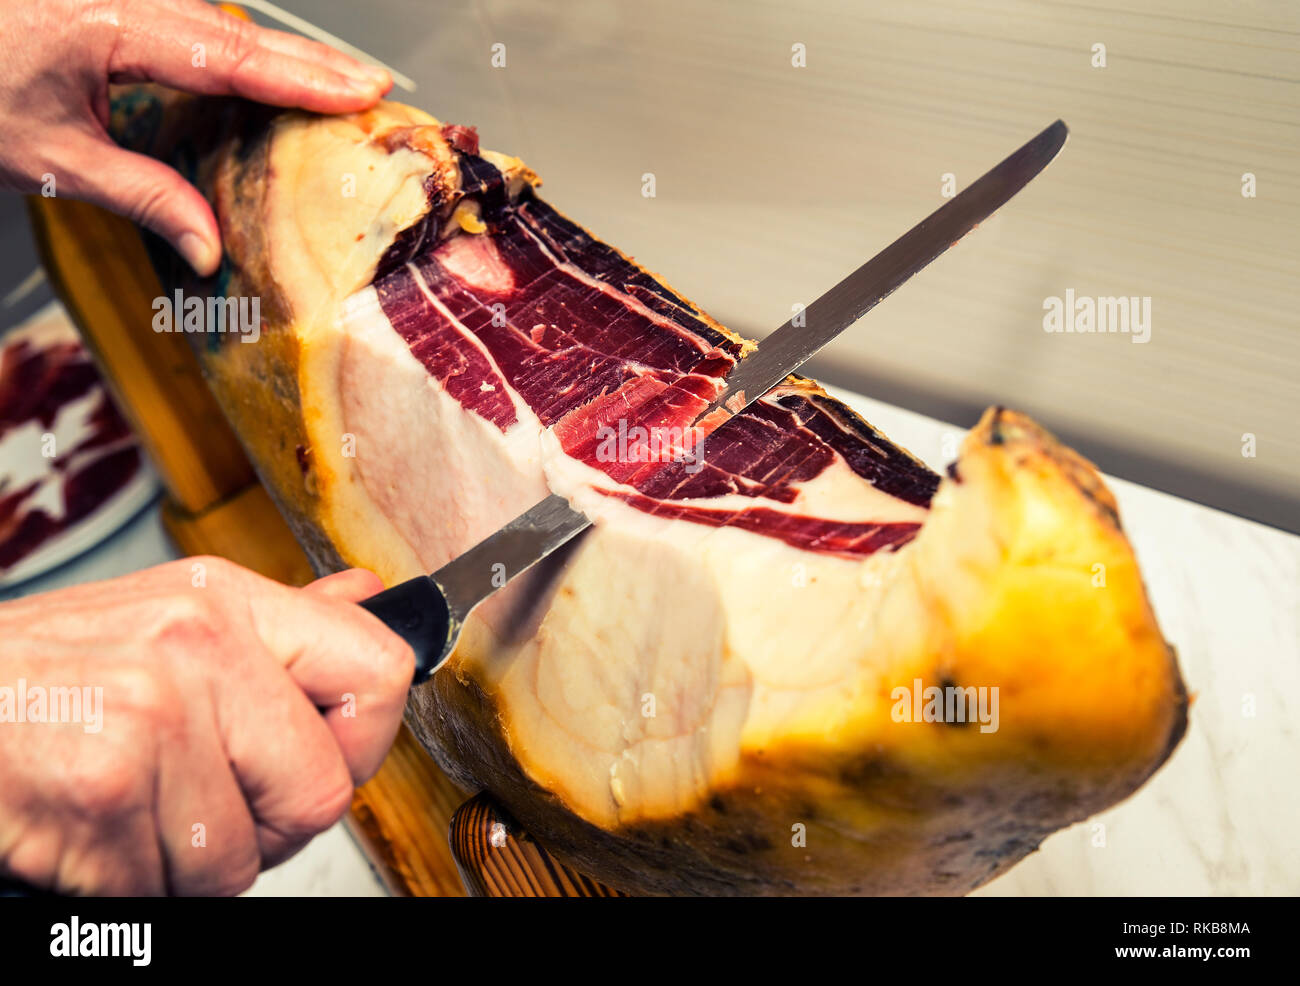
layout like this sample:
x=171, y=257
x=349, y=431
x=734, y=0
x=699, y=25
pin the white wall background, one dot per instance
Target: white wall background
x=773, y=181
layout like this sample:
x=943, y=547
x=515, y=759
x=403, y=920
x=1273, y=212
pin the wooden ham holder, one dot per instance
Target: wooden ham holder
x=214, y=504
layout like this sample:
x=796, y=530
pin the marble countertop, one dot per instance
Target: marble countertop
x=1218, y=819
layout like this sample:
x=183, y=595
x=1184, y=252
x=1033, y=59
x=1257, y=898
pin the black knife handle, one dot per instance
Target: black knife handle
x=417, y=611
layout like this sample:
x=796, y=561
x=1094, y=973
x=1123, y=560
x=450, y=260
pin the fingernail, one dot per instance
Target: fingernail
x=362, y=87
x=369, y=76
x=200, y=254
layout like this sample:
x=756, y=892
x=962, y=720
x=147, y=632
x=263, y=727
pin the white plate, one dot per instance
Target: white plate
x=95, y=527
x=48, y=326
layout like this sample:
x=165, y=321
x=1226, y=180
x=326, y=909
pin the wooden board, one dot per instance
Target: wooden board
x=214, y=505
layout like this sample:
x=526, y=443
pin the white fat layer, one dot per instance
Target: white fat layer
x=670, y=649
x=659, y=651
x=444, y=476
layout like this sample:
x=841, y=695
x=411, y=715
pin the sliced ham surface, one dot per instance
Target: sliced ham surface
x=533, y=312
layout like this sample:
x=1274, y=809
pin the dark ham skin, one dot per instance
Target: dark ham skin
x=593, y=345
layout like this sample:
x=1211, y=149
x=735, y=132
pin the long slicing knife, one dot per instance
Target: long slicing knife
x=429, y=611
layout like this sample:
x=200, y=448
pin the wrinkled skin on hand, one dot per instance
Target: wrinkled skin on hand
x=229, y=702
x=58, y=57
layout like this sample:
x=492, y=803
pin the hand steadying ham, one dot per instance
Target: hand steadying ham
x=60, y=56
x=211, y=759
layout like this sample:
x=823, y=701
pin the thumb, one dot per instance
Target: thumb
x=147, y=192
x=352, y=585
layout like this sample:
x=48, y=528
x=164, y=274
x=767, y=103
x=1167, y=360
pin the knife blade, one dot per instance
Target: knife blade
x=799, y=339
x=429, y=611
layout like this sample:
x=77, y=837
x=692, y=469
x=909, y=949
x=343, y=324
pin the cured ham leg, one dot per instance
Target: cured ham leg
x=728, y=684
